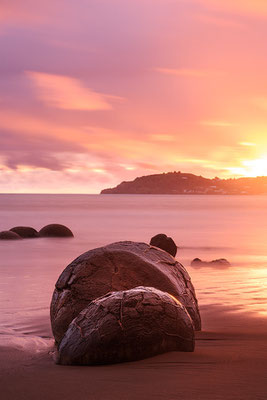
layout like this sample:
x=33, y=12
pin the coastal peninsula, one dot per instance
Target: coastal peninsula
x=184, y=183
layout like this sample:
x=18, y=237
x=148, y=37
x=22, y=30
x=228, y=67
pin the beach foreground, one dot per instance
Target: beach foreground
x=229, y=362
x=230, y=358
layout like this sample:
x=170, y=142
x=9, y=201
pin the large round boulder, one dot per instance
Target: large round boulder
x=8, y=235
x=115, y=267
x=55, y=230
x=25, y=232
x=126, y=326
x=165, y=243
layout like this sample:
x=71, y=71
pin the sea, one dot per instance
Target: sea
x=207, y=227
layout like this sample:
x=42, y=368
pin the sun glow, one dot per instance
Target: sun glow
x=251, y=168
x=256, y=167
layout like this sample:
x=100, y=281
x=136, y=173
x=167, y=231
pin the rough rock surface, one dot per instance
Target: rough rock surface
x=125, y=326
x=165, y=243
x=25, y=232
x=55, y=230
x=221, y=262
x=115, y=267
x=8, y=235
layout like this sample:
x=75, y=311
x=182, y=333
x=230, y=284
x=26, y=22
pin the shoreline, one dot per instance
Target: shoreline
x=229, y=362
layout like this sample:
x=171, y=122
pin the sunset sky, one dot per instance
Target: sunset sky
x=93, y=92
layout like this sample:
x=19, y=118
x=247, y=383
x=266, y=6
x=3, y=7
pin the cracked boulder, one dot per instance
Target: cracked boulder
x=115, y=267
x=126, y=326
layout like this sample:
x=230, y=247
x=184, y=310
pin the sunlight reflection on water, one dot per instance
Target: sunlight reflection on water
x=207, y=227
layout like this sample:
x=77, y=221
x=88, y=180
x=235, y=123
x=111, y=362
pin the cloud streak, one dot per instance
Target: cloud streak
x=219, y=124
x=184, y=72
x=67, y=93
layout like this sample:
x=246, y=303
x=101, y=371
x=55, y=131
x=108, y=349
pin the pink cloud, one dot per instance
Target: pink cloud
x=30, y=11
x=67, y=93
x=189, y=72
x=183, y=72
x=66, y=117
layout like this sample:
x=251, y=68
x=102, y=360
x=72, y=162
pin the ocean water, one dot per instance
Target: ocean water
x=208, y=227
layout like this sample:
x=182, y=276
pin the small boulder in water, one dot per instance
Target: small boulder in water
x=221, y=262
x=25, y=232
x=197, y=262
x=8, y=235
x=126, y=326
x=165, y=243
x=55, y=230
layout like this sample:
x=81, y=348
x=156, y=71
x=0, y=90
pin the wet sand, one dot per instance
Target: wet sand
x=229, y=362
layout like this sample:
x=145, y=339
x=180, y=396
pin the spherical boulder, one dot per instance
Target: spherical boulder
x=55, y=230
x=165, y=243
x=126, y=326
x=197, y=262
x=115, y=267
x=25, y=232
x=8, y=235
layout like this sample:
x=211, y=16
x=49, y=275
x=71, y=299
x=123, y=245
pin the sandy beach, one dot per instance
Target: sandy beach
x=229, y=362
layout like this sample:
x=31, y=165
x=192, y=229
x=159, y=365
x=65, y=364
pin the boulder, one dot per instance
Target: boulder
x=8, y=235
x=55, y=230
x=126, y=326
x=25, y=232
x=196, y=261
x=221, y=262
x=115, y=267
x=165, y=243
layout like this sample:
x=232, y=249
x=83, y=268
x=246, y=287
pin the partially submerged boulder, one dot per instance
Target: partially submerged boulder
x=196, y=262
x=220, y=262
x=165, y=243
x=126, y=326
x=55, y=230
x=115, y=267
x=8, y=235
x=25, y=232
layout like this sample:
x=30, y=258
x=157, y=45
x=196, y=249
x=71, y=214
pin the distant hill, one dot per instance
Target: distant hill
x=182, y=183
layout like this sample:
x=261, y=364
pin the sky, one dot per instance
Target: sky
x=95, y=92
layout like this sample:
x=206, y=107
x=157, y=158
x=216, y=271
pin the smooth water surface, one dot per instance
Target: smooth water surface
x=208, y=227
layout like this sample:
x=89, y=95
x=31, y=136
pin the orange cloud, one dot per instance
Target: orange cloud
x=162, y=138
x=249, y=144
x=261, y=102
x=67, y=93
x=249, y=7
x=184, y=72
x=219, y=21
x=218, y=124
